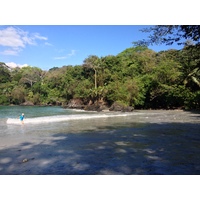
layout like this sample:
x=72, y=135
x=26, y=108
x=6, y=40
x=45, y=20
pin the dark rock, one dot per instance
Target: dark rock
x=128, y=109
x=93, y=107
x=116, y=106
x=75, y=103
x=96, y=106
x=104, y=107
x=27, y=103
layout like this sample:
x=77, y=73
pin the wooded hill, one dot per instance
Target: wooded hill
x=136, y=77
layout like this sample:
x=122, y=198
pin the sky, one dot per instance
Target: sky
x=58, y=33
x=48, y=46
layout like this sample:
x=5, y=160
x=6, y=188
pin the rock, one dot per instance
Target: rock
x=27, y=103
x=116, y=106
x=93, y=107
x=128, y=109
x=97, y=106
x=75, y=103
x=25, y=160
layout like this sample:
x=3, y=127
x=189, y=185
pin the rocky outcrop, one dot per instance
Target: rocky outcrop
x=75, y=103
x=116, y=106
x=92, y=107
x=97, y=106
x=27, y=103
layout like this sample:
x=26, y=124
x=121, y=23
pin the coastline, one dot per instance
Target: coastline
x=107, y=147
x=107, y=109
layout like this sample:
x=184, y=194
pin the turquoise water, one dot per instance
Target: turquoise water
x=31, y=111
x=47, y=120
x=13, y=113
x=62, y=141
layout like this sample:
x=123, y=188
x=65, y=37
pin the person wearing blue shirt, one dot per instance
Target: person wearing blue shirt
x=22, y=118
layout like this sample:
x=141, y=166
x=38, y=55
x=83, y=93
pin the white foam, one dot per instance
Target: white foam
x=60, y=118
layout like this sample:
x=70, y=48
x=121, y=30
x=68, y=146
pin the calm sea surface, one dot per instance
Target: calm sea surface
x=61, y=141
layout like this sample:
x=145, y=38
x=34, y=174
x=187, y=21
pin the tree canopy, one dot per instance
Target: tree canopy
x=169, y=34
x=137, y=76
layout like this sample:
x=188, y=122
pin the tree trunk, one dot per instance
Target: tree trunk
x=95, y=79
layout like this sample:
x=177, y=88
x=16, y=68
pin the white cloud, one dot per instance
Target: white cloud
x=38, y=36
x=60, y=58
x=48, y=44
x=14, y=65
x=11, y=38
x=13, y=52
x=16, y=39
x=72, y=53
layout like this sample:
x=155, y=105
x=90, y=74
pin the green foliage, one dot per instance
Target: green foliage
x=129, y=92
x=4, y=100
x=137, y=77
x=93, y=62
x=53, y=96
x=4, y=73
x=30, y=75
x=169, y=34
x=18, y=95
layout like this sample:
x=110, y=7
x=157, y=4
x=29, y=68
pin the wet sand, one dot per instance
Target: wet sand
x=170, y=146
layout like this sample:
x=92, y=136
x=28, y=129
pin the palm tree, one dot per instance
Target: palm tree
x=194, y=76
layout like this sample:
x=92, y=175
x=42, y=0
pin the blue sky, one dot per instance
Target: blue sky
x=47, y=46
x=60, y=33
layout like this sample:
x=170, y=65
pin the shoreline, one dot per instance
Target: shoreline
x=140, y=150
x=72, y=148
x=104, y=110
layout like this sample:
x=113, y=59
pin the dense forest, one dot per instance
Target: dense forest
x=137, y=77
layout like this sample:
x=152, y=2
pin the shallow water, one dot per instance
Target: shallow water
x=141, y=142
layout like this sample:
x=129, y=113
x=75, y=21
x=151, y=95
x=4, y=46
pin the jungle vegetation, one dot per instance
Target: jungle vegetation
x=137, y=77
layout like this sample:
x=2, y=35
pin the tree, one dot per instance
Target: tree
x=194, y=76
x=189, y=57
x=169, y=34
x=31, y=75
x=92, y=62
x=137, y=61
x=4, y=73
x=16, y=74
x=190, y=61
x=18, y=95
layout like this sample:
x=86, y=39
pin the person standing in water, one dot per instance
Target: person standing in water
x=22, y=118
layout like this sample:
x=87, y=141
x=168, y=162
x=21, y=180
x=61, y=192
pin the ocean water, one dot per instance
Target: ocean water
x=47, y=120
x=64, y=141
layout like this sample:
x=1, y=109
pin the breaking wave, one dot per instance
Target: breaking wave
x=60, y=118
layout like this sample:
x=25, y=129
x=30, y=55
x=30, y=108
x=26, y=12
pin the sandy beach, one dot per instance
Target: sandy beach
x=133, y=148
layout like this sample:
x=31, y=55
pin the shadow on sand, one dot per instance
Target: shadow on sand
x=147, y=149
